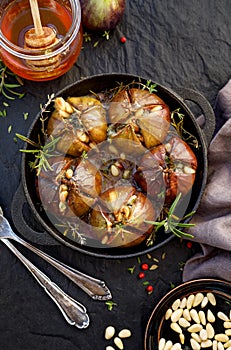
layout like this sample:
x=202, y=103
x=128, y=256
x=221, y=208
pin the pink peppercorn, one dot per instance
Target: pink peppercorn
x=144, y=267
x=189, y=245
x=141, y=275
x=123, y=39
x=149, y=289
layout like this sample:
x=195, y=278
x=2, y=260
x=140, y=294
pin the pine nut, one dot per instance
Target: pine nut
x=186, y=315
x=220, y=346
x=176, y=346
x=161, y=344
x=227, y=344
x=227, y=324
x=222, y=316
x=194, y=315
x=125, y=333
x=210, y=330
x=175, y=327
x=114, y=170
x=211, y=298
x=109, y=332
x=182, y=338
x=190, y=301
x=176, y=304
x=63, y=196
x=206, y=344
x=195, y=328
x=176, y=315
x=168, y=345
x=196, y=337
x=198, y=299
x=203, y=334
x=202, y=317
x=183, y=303
x=215, y=345
x=118, y=342
x=69, y=173
x=194, y=344
x=221, y=337
x=183, y=322
x=210, y=316
x=204, y=302
x=168, y=314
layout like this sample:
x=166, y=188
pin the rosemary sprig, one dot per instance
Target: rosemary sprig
x=42, y=153
x=6, y=88
x=171, y=222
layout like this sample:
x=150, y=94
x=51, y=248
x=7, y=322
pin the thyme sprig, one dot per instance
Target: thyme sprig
x=7, y=88
x=177, y=121
x=42, y=153
x=111, y=93
x=73, y=229
x=171, y=222
x=150, y=86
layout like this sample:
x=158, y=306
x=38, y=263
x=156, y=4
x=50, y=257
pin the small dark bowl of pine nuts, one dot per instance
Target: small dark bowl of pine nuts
x=195, y=315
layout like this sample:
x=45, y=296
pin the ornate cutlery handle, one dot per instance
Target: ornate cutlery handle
x=96, y=288
x=74, y=312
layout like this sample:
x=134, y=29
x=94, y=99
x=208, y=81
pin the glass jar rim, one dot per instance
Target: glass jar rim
x=58, y=48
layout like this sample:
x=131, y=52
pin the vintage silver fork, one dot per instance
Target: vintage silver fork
x=73, y=311
x=95, y=288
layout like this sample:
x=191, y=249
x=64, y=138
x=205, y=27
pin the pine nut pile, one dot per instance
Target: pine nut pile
x=197, y=324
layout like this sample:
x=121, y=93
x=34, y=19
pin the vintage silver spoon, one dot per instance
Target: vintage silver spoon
x=73, y=311
x=95, y=288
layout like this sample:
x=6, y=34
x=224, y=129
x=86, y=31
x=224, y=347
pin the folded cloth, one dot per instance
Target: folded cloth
x=213, y=219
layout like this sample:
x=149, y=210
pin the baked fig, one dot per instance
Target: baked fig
x=178, y=165
x=119, y=217
x=81, y=123
x=70, y=188
x=140, y=116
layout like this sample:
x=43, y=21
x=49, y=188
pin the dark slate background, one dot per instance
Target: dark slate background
x=175, y=43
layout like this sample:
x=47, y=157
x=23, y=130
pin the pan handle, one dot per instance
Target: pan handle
x=187, y=94
x=36, y=235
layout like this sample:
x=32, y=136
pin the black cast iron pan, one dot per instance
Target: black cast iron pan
x=174, y=100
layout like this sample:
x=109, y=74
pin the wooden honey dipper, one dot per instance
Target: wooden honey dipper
x=40, y=37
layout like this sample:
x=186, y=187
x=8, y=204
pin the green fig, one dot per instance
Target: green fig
x=100, y=15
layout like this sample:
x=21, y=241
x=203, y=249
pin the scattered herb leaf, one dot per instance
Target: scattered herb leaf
x=25, y=115
x=110, y=304
x=146, y=283
x=131, y=269
x=86, y=37
x=106, y=34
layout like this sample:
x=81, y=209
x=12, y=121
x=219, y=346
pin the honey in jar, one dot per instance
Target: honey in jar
x=43, y=62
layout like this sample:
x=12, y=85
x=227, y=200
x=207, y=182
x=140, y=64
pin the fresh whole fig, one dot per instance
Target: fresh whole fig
x=100, y=15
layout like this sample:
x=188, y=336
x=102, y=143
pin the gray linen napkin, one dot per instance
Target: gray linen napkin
x=213, y=219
